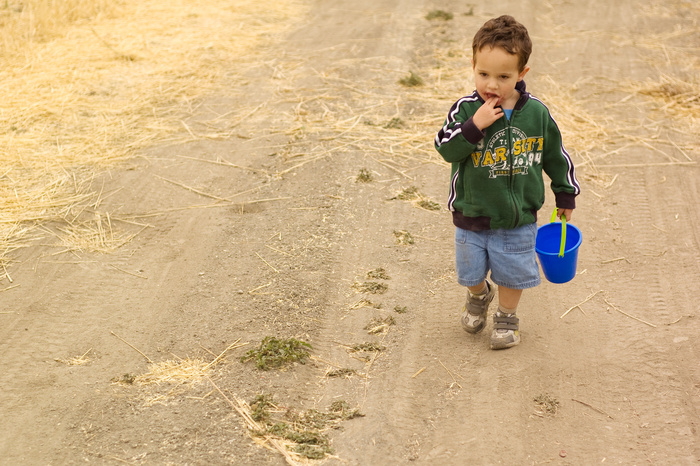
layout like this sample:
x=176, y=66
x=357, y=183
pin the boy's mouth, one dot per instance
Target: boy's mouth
x=489, y=96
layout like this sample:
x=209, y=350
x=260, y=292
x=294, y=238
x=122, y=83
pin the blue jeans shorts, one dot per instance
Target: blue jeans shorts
x=508, y=254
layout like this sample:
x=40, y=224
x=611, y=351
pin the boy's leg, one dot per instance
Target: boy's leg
x=472, y=269
x=479, y=289
x=508, y=297
x=514, y=268
x=506, y=332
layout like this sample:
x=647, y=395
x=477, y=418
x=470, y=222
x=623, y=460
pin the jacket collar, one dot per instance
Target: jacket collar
x=524, y=95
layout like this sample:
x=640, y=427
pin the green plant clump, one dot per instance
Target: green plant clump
x=439, y=14
x=404, y=237
x=365, y=176
x=260, y=408
x=274, y=353
x=371, y=287
x=395, y=123
x=378, y=274
x=306, y=430
x=343, y=372
x=408, y=194
x=367, y=346
x=428, y=205
x=412, y=80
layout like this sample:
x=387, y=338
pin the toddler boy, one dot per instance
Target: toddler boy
x=499, y=139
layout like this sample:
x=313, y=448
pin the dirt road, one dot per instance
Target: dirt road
x=270, y=233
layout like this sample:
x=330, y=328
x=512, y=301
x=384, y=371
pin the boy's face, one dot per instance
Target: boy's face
x=496, y=73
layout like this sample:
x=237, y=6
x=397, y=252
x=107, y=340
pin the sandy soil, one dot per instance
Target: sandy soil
x=282, y=258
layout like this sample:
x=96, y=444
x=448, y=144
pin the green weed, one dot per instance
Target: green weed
x=344, y=372
x=412, y=80
x=408, y=194
x=367, y=347
x=428, y=205
x=546, y=404
x=378, y=274
x=306, y=430
x=274, y=353
x=260, y=408
x=395, y=123
x=439, y=14
x=365, y=176
x=371, y=287
x=404, y=237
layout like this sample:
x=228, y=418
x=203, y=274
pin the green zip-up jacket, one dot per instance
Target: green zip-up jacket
x=497, y=173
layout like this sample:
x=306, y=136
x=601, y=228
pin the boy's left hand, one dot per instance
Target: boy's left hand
x=565, y=212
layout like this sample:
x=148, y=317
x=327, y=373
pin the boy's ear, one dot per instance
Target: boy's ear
x=523, y=73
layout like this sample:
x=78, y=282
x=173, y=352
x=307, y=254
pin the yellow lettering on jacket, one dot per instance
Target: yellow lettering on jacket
x=476, y=156
x=488, y=159
x=517, y=147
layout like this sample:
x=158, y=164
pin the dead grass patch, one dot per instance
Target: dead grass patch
x=380, y=325
x=77, y=360
x=86, y=84
x=175, y=375
x=677, y=96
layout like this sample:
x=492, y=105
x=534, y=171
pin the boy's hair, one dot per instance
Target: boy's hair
x=507, y=33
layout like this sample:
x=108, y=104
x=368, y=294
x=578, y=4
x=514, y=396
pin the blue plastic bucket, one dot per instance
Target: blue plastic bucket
x=557, y=249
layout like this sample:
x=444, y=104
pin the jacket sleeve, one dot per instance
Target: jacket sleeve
x=559, y=167
x=458, y=136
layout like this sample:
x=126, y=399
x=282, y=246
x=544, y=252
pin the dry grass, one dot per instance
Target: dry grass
x=177, y=376
x=675, y=95
x=87, y=83
x=76, y=360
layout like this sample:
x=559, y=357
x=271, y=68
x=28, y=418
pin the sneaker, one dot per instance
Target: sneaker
x=474, y=311
x=505, y=331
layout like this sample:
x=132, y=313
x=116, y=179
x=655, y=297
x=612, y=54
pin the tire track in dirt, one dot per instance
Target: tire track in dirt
x=75, y=309
x=657, y=379
x=53, y=326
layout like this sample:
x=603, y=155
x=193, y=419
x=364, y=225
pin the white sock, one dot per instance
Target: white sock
x=505, y=310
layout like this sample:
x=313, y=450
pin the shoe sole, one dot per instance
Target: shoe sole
x=499, y=345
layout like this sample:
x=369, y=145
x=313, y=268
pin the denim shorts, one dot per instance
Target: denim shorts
x=508, y=254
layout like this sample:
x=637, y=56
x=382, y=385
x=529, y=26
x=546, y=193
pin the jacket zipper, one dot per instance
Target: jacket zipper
x=511, y=180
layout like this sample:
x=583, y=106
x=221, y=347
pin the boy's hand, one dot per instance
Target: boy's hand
x=487, y=114
x=565, y=212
